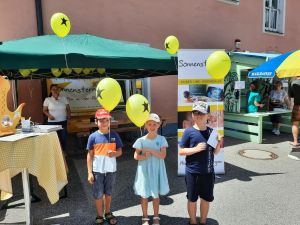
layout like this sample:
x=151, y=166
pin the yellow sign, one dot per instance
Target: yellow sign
x=189, y=108
x=8, y=120
x=199, y=81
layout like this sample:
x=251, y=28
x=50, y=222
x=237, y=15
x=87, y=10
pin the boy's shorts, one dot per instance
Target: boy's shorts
x=200, y=185
x=103, y=184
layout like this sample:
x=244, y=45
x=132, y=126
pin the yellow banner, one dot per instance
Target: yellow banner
x=189, y=108
x=199, y=81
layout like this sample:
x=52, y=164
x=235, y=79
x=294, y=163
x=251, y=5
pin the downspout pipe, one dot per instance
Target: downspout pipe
x=39, y=17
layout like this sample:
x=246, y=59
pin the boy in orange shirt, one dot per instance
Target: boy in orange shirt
x=103, y=147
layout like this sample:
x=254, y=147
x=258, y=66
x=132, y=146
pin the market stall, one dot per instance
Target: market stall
x=238, y=123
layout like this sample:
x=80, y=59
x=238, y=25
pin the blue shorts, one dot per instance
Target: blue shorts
x=200, y=185
x=103, y=184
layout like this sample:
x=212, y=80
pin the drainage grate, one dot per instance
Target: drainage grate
x=258, y=154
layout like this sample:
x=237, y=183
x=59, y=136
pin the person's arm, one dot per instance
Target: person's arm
x=46, y=112
x=116, y=153
x=159, y=154
x=139, y=156
x=190, y=151
x=219, y=145
x=257, y=101
x=90, y=156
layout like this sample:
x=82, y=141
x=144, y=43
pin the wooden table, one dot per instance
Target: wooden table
x=40, y=156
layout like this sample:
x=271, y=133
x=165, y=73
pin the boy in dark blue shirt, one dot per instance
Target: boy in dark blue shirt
x=199, y=172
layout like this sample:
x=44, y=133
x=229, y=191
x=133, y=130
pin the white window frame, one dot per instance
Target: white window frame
x=232, y=2
x=280, y=18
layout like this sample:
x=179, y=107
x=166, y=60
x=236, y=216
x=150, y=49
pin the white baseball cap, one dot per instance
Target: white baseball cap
x=154, y=117
x=201, y=106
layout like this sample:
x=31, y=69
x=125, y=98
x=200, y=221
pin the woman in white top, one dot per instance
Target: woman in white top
x=57, y=109
x=278, y=99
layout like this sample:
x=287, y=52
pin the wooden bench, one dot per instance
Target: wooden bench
x=249, y=126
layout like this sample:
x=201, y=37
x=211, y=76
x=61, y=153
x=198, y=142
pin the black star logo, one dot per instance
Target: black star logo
x=146, y=106
x=98, y=93
x=167, y=45
x=63, y=21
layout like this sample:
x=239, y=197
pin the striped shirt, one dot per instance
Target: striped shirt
x=100, y=144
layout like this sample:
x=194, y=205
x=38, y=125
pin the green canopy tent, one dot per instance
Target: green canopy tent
x=122, y=60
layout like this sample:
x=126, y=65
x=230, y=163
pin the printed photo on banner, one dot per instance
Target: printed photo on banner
x=81, y=93
x=215, y=119
x=185, y=120
x=187, y=94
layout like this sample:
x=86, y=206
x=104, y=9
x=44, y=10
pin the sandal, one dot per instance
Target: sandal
x=156, y=218
x=294, y=145
x=110, y=218
x=99, y=220
x=145, y=221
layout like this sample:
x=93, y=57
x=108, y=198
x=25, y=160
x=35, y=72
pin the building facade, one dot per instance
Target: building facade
x=256, y=25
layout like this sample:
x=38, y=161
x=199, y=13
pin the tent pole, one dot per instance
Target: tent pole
x=39, y=17
x=14, y=93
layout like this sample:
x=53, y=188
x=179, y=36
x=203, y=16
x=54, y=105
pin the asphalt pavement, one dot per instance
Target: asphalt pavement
x=251, y=192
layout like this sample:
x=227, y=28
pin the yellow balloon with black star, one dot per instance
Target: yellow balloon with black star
x=56, y=72
x=25, y=72
x=60, y=24
x=137, y=109
x=218, y=64
x=67, y=71
x=172, y=44
x=108, y=93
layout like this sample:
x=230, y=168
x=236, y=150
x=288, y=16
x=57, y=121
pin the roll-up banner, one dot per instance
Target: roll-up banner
x=195, y=84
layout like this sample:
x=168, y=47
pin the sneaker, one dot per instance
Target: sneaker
x=277, y=132
x=273, y=130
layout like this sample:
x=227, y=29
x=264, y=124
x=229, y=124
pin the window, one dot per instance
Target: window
x=274, y=11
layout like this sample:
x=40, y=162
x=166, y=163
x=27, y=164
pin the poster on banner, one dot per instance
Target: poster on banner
x=195, y=84
x=81, y=93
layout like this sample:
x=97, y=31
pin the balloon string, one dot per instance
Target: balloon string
x=109, y=130
x=65, y=51
x=141, y=131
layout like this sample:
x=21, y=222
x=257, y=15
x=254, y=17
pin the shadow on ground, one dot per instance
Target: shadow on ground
x=268, y=138
x=78, y=208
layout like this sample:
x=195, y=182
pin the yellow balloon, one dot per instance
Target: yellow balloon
x=67, y=71
x=172, y=44
x=77, y=70
x=108, y=93
x=25, y=72
x=86, y=71
x=60, y=24
x=56, y=72
x=218, y=64
x=101, y=70
x=137, y=109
